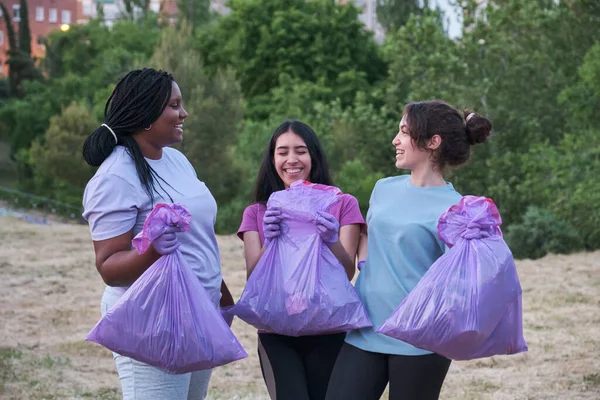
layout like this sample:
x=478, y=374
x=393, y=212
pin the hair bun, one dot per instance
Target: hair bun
x=478, y=128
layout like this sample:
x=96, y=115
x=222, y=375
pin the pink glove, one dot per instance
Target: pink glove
x=271, y=222
x=167, y=242
x=328, y=227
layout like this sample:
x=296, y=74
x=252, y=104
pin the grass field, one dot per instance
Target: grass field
x=50, y=294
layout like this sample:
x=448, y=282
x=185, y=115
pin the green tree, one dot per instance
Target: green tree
x=80, y=64
x=562, y=177
x=88, y=50
x=25, y=119
x=513, y=60
x=353, y=177
x=215, y=108
x=581, y=101
x=423, y=62
x=316, y=41
x=21, y=65
x=59, y=170
x=519, y=56
x=135, y=9
x=541, y=233
x=194, y=12
x=12, y=48
x=24, y=31
x=392, y=14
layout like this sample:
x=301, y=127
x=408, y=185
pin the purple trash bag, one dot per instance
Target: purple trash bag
x=298, y=286
x=468, y=304
x=166, y=319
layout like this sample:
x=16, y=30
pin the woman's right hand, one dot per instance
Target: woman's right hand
x=271, y=222
x=167, y=243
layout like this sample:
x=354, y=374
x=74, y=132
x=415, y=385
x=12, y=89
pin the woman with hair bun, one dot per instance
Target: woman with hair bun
x=402, y=244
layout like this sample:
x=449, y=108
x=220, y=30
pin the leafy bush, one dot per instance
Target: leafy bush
x=539, y=233
x=229, y=217
x=58, y=169
x=355, y=179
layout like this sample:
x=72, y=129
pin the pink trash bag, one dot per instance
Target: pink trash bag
x=468, y=304
x=166, y=319
x=298, y=286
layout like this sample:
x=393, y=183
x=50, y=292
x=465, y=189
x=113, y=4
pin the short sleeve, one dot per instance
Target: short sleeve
x=249, y=221
x=110, y=206
x=350, y=211
x=371, y=199
x=189, y=165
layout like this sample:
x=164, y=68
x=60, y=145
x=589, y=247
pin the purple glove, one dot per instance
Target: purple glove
x=360, y=265
x=167, y=242
x=271, y=222
x=328, y=227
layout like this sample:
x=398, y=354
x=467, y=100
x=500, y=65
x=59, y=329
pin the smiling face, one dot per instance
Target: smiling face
x=291, y=158
x=408, y=154
x=168, y=127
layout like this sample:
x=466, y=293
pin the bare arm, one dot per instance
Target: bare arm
x=345, y=248
x=226, y=297
x=253, y=250
x=363, y=248
x=118, y=264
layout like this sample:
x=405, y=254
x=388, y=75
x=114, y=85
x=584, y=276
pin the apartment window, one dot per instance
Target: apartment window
x=39, y=14
x=87, y=8
x=16, y=12
x=66, y=17
x=52, y=15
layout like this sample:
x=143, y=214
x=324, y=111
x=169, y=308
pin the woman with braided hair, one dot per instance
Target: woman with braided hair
x=142, y=117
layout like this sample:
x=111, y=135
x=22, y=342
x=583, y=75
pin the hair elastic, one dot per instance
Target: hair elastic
x=469, y=117
x=113, y=133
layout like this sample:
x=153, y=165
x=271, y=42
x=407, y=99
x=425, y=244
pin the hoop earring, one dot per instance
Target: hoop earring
x=148, y=128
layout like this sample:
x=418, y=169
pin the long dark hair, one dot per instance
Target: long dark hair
x=137, y=101
x=268, y=180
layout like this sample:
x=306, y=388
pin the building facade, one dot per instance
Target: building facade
x=115, y=9
x=45, y=16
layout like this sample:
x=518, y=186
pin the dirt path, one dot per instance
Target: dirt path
x=50, y=294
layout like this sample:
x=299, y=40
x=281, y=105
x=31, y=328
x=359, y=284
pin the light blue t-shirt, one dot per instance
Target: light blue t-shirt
x=403, y=244
x=114, y=202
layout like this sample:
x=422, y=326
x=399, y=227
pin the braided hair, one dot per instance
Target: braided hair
x=136, y=102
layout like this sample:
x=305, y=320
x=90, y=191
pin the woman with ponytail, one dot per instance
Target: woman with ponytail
x=142, y=117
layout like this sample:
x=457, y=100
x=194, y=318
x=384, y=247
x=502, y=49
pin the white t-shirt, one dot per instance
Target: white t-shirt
x=114, y=201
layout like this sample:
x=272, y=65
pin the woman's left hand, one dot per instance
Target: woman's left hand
x=328, y=227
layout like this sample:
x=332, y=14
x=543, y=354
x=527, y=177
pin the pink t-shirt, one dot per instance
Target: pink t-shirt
x=345, y=211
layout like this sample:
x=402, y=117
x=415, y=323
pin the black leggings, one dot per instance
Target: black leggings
x=298, y=368
x=362, y=375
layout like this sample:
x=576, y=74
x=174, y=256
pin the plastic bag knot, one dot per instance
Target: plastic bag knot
x=475, y=230
x=472, y=218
